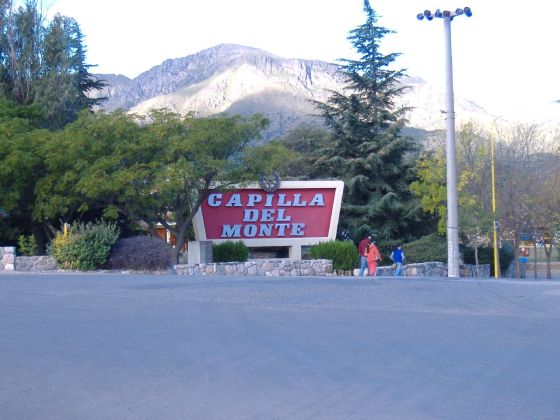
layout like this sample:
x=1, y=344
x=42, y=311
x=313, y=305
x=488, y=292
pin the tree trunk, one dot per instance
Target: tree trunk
x=42, y=237
x=535, y=258
x=41, y=240
x=181, y=234
x=180, y=239
x=476, y=259
x=516, y=258
x=548, y=252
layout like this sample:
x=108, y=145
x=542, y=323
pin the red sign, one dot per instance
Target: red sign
x=255, y=214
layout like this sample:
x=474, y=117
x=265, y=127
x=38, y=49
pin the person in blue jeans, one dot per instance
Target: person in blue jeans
x=362, y=250
x=398, y=258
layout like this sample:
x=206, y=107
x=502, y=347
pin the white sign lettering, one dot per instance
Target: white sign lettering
x=263, y=230
x=262, y=215
x=282, y=200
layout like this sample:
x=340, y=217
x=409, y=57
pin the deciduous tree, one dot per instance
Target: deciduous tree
x=21, y=167
x=198, y=156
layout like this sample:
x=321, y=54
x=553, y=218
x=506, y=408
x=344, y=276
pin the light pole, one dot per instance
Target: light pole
x=495, y=230
x=452, y=206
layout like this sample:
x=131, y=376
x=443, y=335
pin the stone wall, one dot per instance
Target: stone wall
x=277, y=267
x=10, y=262
x=433, y=269
x=286, y=267
x=468, y=270
x=272, y=267
x=7, y=258
x=438, y=269
x=36, y=264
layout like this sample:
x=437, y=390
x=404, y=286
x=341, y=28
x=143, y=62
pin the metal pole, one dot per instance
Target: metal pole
x=452, y=206
x=496, y=257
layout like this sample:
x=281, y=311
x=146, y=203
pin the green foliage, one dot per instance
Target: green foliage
x=92, y=166
x=263, y=158
x=85, y=247
x=27, y=245
x=429, y=248
x=472, y=185
x=21, y=166
x=197, y=157
x=43, y=64
x=367, y=149
x=123, y=167
x=10, y=110
x=343, y=254
x=506, y=256
x=486, y=256
x=306, y=143
x=230, y=251
x=431, y=186
x=44, y=83
x=21, y=33
x=57, y=248
x=140, y=253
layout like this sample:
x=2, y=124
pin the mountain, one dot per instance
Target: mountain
x=242, y=80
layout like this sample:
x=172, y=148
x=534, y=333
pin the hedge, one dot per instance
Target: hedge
x=343, y=254
x=430, y=248
x=230, y=251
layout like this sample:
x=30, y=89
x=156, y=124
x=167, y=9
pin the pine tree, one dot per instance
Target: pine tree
x=62, y=91
x=45, y=66
x=367, y=150
x=21, y=34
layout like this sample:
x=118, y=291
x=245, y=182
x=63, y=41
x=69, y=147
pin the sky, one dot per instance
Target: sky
x=505, y=58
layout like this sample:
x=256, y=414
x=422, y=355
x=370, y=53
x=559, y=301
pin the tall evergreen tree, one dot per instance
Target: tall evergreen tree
x=4, y=9
x=62, y=91
x=45, y=65
x=367, y=150
x=20, y=50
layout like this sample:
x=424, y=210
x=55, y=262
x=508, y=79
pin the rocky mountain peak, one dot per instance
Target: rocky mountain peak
x=244, y=80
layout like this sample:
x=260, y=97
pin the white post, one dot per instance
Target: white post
x=199, y=252
x=295, y=252
x=452, y=206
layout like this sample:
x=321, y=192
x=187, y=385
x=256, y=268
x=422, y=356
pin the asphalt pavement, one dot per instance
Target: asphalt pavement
x=107, y=346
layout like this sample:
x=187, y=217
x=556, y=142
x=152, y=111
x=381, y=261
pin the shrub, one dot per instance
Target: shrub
x=85, y=247
x=343, y=254
x=505, y=256
x=230, y=251
x=57, y=248
x=486, y=256
x=140, y=253
x=27, y=245
x=429, y=248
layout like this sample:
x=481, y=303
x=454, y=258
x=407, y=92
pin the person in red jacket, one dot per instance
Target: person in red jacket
x=373, y=256
x=362, y=251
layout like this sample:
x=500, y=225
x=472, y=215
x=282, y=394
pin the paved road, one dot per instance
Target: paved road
x=171, y=347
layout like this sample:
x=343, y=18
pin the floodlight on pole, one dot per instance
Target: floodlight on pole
x=451, y=158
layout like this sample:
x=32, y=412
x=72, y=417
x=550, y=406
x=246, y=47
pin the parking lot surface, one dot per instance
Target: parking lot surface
x=107, y=346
